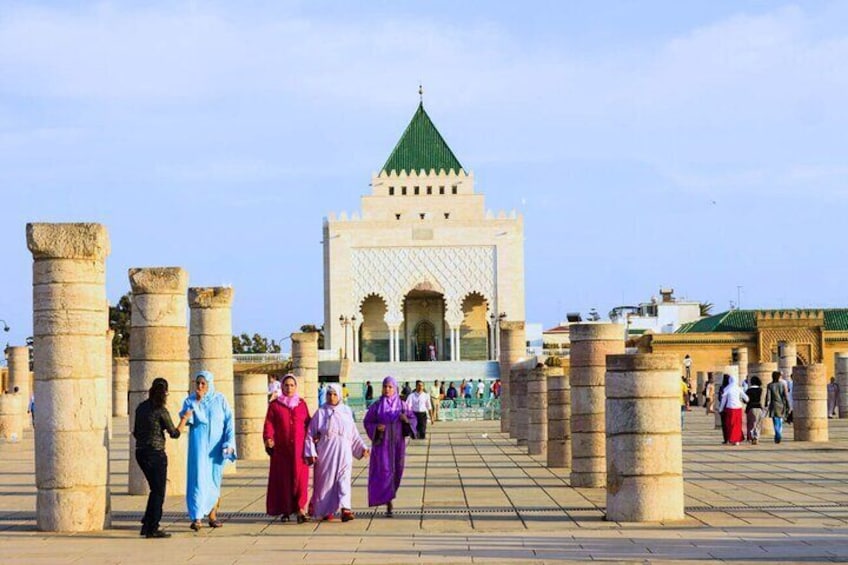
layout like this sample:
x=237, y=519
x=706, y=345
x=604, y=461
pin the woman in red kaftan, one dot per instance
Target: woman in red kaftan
x=285, y=432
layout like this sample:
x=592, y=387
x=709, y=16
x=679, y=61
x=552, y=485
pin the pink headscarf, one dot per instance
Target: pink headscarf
x=289, y=401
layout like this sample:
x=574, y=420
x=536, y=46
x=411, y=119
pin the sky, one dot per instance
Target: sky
x=694, y=145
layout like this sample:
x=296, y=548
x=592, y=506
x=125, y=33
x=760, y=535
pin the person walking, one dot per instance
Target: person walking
x=435, y=401
x=733, y=399
x=284, y=434
x=274, y=389
x=152, y=420
x=777, y=404
x=451, y=394
x=684, y=400
x=725, y=380
x=384, y=426
x=331, y=443
x=709, y=395
x=211, y=443
x=754, y=410
x=322, y=394
x=832, y=398
x=419, y=402
x=369, y=394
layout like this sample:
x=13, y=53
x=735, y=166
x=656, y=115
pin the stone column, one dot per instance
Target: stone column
x=700, y=382
x=763, y=371
x=12, y=417
x=810, y=403
x=69, y=325
x=518, y=404
x=107, y=370
x=305, y=366
x=512, y=348
x=559, y=420
x=590, y=345
x=121, y=387
x=19, y=370
x=537, y=412
x=211, y=337
x=729, y=370
x=840, y=364
x=159, y=348
x=740, y=356
x=251, y=405
x=644, y=449
x=787, y=357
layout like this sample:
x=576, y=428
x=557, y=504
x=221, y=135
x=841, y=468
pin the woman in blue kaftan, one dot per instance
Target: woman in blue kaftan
x=211, y=443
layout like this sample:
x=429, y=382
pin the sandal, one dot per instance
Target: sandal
x=215, y=523
x=302, y=518
x=196, y=525
x=347, y=515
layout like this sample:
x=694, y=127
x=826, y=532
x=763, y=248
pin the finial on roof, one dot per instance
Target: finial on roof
x=421, y=93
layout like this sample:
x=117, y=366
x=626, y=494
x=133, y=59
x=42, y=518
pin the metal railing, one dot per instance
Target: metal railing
x=259, y=358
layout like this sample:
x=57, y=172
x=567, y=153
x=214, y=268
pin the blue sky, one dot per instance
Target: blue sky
x=694, y=145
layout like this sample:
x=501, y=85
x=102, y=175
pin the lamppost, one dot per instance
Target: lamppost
x=345, y=322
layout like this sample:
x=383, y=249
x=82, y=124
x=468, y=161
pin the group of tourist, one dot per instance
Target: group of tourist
x=294, y=439
x=750, y=398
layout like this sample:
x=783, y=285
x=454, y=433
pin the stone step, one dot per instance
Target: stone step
x=426, y=371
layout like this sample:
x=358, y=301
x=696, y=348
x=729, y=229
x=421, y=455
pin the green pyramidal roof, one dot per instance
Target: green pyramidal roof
x=421, y=147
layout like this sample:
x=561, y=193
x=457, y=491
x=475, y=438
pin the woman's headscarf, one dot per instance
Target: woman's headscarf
x=210, y=385
x=289, y=401
x=337, y=388
x=389, y=407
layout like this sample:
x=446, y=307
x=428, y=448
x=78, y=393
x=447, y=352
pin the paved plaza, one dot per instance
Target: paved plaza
x=471, y=495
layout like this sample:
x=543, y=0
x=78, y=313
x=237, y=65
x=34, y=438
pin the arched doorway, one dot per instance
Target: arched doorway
x=423, y=335
x=374, y=332
x=423, y=324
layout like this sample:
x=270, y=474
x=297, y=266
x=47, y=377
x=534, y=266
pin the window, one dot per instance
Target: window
x=454, y=189
x=417, y=191
x=422, y=216
x=403, y=190
x=397, y=216
x=441, y=190
x=447, y=215
x=391, y=191
x=429, y=190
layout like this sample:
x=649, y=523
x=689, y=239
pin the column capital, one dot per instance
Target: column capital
x=158, y=280
x=210, y=297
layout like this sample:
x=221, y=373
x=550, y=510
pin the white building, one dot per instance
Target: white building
x=665, y=315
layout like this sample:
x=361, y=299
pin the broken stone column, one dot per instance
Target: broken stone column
x=840, y=363
x=513, y=346
x=590, y=345
x=700, y=383
x=537, y=412
x=12, y=417
x=69, y=325
x=520, y=420
x=559, y=421
x=763, y=371
x=787, y=353
x=740, y=359
x=107, y=370
x=643, y=448
x=19, y=370
x=251, y=405
x=305, y=366
x=121, y=387
x=159, y=348
x=810, y=403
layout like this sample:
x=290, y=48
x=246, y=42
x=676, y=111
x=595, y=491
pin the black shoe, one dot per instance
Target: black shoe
x=143, y=531
x=285, y=518
x=302, y=518
x=158, y=534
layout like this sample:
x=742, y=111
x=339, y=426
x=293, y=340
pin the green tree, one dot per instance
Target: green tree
x=245, y=343
x=119, y=321
x=705, y=308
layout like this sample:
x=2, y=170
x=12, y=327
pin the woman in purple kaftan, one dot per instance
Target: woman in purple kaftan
x=332, y=441
x=384, y=426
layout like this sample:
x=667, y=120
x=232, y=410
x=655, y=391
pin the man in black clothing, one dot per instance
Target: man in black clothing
x=369, y=394
x=152, y=420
